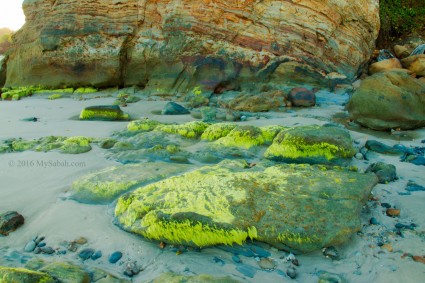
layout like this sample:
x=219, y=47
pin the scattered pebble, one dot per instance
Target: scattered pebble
x=246, y=270
x=115, y=257
x=387, y=247
x=236, y=259
x=386, y=205
x=410, y=226
x=218, y=260
x=132, y=269
x=373, y=221
x=86, y=254
x=96, y=255
x=162, y=245
x=30, y=246
x=331, y=252
x=267, y=264
x=291, y=272
x=420, y=259
x=47, y=250
x=81, y=241
x=393, y=212
x=359, y=156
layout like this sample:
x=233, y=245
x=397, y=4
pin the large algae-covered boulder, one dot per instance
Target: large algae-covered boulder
x=66, y=272
x=22, y=275
x=294, y=207
x=108, y=184
x=177, y=46
x=389, y=100
x=103, y=112
x=312, y=144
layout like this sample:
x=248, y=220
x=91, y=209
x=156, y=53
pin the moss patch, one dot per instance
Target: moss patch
x=243, y=136
x=144, y=125
x=103, y=112
x=23, y=275
x=188, y=130
x=216, y=131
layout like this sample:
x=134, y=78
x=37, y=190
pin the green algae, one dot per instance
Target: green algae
x=66, y=272
x=311, y=144
x=8, y=274
x=18, y=93
x=243, y=136
x=55, y=96
x=106, y=113
x=270, y=132
x=201, y=278
x=294, y=207
x=144, y=125
x=190, y=130
x=216, y=131
x=85, y=90
x=76, y=145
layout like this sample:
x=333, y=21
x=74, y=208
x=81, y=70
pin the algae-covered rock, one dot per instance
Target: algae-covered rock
x=104, y=113
x=145, y=125
x=216, y=131
x=295, y=207
x=201, y=278
x=312, y=144
x=76, y=145
x=22, y=275
x=66, y=272
x=189, y=130
x=107, y=184
x=243, y=136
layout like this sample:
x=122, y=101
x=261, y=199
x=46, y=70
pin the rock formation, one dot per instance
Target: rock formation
x=175, y=46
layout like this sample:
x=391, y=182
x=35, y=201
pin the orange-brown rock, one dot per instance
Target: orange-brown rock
x=415, y=64
x=385, y=65
x=175, y=46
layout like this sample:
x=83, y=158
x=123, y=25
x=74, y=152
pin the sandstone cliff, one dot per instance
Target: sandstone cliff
x=174, y=46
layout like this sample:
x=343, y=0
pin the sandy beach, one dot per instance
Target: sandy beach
x=36, y=185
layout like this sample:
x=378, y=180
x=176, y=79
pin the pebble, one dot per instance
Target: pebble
x=81, y=241
x=413, y=187
x=40, y=245
x=47, y=250
x=373, y=221
x=291, y=272
x=30, y=246
x=115, y=257
x=38, y=240
x=132, y=269
x=267, y=264
x=246, y=270
x=393, y=212
x=73, y=247
x=10, y=221
x=37, y=250
x=359, y=156
x=386, y=205
x=96, y=255
x=388, y=247
x=219, y=260
x=331, y=252
x=410, y=226
x=86, y=254
x=236, y=259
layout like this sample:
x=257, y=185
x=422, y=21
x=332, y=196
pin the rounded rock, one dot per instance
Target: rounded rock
x=291, y=272
x=393, y=212
x=30, y=246
x=86, y=254
x=115, y=257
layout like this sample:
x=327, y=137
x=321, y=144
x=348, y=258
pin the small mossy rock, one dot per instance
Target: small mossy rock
x=389, y=100
x=106, y=185
x=243, y=136
x=385, y=172
x=263, y=102
x=76, y=145
x=10, y=221
x=190, y=130
x=294, y=207
x=216, y=131
x=302, y=97
x=23, y=145
x=313, y=145
x=270, y=132
x=172, y=108
x=144, y=125
x=201, y=278
x=49, y=143
x=101, y=276
x=66, y=272
x=103, y=113
x=22, y=275
x=85, y=90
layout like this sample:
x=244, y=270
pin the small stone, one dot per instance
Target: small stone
x=81, y=241
x=10, y=221
x=162, y=245
x=236, y=259
x=30, y=246
x=132, y=269
x=47, y=250
x=219, y=260
x=386, y=205
x=115, y=257
x=38, y=240
x=96, y=255
x=86, y=254
x=172, y=108
x=302, y=97
x=37, y=250
x=291, y=272
x=393, y=212
x=359, y=156
x=388, y=247
x=267, y=264
x=295, y=262
x=243, y=118
x=40, y=245
x=331, y=252
x=246, y=270
x=73, y=247
x=373, y=221
x=420, y=259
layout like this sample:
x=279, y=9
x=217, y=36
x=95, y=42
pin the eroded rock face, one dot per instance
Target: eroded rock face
x=179, y=45
x=294, y=207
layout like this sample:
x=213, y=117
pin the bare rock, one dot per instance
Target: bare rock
x=10, y=221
